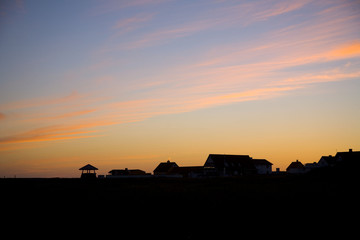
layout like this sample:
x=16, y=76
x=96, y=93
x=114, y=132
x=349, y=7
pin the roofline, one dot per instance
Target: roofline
x=215, y=154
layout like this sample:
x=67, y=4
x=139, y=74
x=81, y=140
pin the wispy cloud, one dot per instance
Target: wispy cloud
x=57, y=132
x=333, y=76
x=259, y=69
x=242, y=14
x=279, y=8
x=132, y=22
x=164, y=35
x=66, y=115
x=29, y=103
x=127, y=25
x=351, y=49
x=44, y=134
x=73, y=123
x=105, y=7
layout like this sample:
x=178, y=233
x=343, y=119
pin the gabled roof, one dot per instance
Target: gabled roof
x=261, y=162
x=165, y=166
x=229, y=161
x=295, y=165
x=127, y=172
x=348, y=156
x=183, y=170
x=88, y=167
x=328, y=159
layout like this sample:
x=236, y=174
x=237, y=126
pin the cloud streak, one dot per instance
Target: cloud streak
x=263, y=68
x=56, y=132
x=106, y=7
x=30, y=103
x=242, y=14
x=132, y=22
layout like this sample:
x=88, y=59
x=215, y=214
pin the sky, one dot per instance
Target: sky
x=130, y=84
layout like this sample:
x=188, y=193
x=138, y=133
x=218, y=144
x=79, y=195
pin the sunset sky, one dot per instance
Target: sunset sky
x=128, y=84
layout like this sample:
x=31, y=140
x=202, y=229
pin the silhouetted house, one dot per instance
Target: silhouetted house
x=295, y=167
x=188, y=172
x=348, y=157
x=230, y=165
x=164, y=168
x=262, y=166
x=88, y=172
x=327, y=161
x=311, y=166
x=127, y=172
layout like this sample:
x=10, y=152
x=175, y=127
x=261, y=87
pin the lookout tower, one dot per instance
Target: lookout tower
x=88, y=172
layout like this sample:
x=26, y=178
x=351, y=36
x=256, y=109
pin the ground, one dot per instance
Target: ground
x=184, y=208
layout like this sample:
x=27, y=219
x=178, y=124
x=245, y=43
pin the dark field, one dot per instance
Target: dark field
x=183, y=208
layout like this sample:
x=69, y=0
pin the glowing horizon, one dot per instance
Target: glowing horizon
x=128, y=84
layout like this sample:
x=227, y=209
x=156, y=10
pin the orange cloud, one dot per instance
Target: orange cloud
x=251, y=95
x=319, y=78
x=347, y=50
x=52, y=133
x=68, y=115
x=255, y=94
x=133, y=103
x=42, y=135
x=2, y=116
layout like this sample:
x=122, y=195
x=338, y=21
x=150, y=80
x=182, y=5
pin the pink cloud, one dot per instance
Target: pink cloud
x=243, y=14
x=105, y=7
x=279, y=8
x=133, y=22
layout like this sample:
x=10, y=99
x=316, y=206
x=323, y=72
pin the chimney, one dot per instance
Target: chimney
x=350, y=150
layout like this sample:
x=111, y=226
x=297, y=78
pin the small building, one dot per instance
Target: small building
x=165, y=167
x=262, y=166
x=348, y=157
x=188, y=172
x=127, y=172
x=88, y=172
x=311, y=166
x=295, y=167
x=231, y=165
x=327, y=161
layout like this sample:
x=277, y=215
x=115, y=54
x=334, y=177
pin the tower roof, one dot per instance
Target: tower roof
x=88, y=167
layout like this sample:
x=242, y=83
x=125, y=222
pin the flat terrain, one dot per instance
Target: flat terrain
x=187, y=208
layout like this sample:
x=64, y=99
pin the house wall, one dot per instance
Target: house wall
x=295, y=170
x=323, y=163
x=263, y=169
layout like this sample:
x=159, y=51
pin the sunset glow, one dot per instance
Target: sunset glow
x=128, y=84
